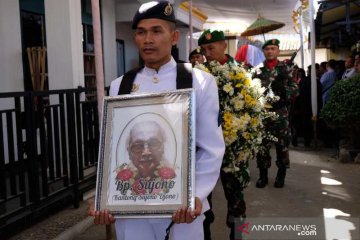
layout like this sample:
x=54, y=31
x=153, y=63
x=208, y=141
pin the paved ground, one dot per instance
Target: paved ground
x=317, y=185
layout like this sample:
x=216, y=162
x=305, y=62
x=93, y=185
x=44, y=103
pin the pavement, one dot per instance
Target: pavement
x=317, y=185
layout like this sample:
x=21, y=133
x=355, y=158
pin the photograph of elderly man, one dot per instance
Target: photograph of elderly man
x=145, y=146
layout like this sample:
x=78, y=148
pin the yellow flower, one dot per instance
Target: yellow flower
x=233, y=134
x=227, y=116
x=254, y=121
x=246, y=135
x=239, y=85
x=248, y=98
x=230, y=137
x=243, y=92
x=247, y=82
x=240, y=75
x=227, y=125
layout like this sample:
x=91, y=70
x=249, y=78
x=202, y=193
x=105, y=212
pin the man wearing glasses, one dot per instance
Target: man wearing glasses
x=145, y=146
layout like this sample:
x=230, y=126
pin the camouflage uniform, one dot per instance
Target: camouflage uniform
x=281, y=82
x=233, y=185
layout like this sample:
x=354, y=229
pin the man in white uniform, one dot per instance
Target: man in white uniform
x=155, y=34
x=349, y=68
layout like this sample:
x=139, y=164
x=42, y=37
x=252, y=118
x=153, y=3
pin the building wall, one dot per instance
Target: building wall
x=232, y=47
x=11, y=70
x=109, y=40
x=64, y=44
x=63, y=40
x=183, y=44
x=124, y=32
x=321, y=55
x=339, y=54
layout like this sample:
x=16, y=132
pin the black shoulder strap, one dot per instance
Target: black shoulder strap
x=184, y=76
x=128, y=80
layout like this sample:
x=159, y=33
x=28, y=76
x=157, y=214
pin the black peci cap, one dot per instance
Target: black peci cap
x=155, y=9
x=196, y=51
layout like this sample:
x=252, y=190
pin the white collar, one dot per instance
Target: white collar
x=167, y=67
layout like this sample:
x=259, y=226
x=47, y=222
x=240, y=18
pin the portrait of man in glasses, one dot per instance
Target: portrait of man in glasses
x=145, y=146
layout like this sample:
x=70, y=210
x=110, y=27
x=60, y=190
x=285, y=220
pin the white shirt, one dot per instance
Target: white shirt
x=209, y=137
x=350, y=72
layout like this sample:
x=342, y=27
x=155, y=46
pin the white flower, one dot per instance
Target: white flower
x=227, y=169
x=237, y=102
x=245, y=133
x=229, y=89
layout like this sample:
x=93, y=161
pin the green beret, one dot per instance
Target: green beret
x=196, y=51
x=274, y=41
x=208, y=37
x=155, y=9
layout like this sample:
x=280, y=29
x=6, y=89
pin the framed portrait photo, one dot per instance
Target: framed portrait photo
x=146, y=162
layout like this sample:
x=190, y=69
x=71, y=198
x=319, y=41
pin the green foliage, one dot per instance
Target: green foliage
x=343, y=106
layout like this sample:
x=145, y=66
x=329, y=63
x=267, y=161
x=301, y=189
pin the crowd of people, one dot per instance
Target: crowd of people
x=327, y=74
x=287, y=95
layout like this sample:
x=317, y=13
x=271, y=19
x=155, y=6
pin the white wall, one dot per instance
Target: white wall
x=232, y=47
x=339, y=54
x=183, y=16
x=321, y=55
x=64, y=44
x=184, y=44
x=126, y=12
x=109, y=40
x=11, y=70
x=124, y=32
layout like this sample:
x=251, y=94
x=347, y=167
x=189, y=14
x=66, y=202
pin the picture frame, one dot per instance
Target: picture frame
x=146, y=164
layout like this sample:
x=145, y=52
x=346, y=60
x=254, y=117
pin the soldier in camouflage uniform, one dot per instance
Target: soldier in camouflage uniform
x=214, y=46
x=276, y=77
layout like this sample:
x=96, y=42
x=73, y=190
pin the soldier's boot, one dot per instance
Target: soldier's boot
x=263, y=179
x=280, y=178
x=209, y=219
x=294, y=141
x=235, y=228
x=232, y=234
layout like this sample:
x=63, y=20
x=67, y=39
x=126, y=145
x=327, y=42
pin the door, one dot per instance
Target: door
x=120, y=55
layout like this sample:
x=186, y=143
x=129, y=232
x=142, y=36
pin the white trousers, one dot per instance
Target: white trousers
x=155, y=229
